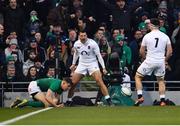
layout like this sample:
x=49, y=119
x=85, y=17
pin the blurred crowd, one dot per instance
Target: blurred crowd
x=37, y=36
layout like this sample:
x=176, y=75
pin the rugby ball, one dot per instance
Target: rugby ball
x=126, y=91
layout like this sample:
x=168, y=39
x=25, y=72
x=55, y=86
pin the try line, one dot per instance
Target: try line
x=23, y=116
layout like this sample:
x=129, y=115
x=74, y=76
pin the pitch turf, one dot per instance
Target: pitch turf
x=98, y=115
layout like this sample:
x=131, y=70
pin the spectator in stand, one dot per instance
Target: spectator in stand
x=76, y=12
x=33, y=26
x=32, y=57
x=105, y=49
x=121, y=54
x=126, y=56
x=56, y=40
x=2, y=46
x=143, y=16
x=98, y=35
x=135, y=46
x=39, y=40
x=13, y=60
x=32, y=74
x=163, y=25
x=13, y=49
x=103, y=27
x=143, y=27
x=122, y=14
x=11, y=75
x=176, y=30
x=43, y=7
x=12, y=35
x=94, y=8
x=115, y=33
x=75, y=4
x=72, y=39
x=50, y=72
x=39, y=66
x=51, y=61
x=176, y=57
x=13, y=18
x=60, y=15
x=39, y=51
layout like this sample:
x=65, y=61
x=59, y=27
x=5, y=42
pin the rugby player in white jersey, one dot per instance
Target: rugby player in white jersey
x=88, y=52
x=159, y=49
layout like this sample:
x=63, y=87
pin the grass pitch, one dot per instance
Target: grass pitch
x=147, y=115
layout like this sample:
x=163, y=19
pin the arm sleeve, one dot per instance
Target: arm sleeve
x=98, y=54
x=75, y=56
x=143, y=42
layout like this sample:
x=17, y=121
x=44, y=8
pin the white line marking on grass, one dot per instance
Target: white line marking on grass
x=23, y=116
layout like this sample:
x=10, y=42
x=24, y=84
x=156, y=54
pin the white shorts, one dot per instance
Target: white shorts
x=33, y=88
x=147, y=68
x=88, y=68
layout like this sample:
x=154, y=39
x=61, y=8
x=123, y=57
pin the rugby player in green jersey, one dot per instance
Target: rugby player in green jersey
x=45, y=92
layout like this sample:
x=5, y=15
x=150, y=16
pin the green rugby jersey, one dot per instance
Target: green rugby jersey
x=50, y=83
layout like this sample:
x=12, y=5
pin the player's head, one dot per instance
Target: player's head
x=83, y=36
x=154, y=23
x=66, y=83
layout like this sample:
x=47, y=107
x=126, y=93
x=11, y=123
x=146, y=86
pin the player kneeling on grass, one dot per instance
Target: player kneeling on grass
x=45, y=92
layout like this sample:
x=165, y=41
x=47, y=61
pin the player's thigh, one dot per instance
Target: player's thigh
x=76, y=78
x=160, y=70
x=145, y=69
x=40, y=96
x=97, y=76
x=81, y=69
x=93, y=67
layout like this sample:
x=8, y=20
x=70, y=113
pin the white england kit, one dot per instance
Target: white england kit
x=155, y=43
x=87, y=53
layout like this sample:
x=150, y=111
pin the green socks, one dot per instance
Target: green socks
x=35, y=104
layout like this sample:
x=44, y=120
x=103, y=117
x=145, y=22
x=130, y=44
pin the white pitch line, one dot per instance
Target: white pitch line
x=23, y=116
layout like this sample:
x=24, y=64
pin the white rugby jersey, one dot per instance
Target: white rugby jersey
x=155, y=42
x=87, y=52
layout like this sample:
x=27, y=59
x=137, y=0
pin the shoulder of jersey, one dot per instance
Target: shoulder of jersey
x=77, y=42
x=92, y=40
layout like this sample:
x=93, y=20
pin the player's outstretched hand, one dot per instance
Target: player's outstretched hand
x=60, y=106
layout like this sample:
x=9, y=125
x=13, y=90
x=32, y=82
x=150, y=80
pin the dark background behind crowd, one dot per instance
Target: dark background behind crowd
x=35, y=33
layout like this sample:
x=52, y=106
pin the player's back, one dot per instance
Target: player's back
x=156, y=42
x=46, y=83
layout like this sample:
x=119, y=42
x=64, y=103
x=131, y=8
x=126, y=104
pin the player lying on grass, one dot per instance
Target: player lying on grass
x=45, y=92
